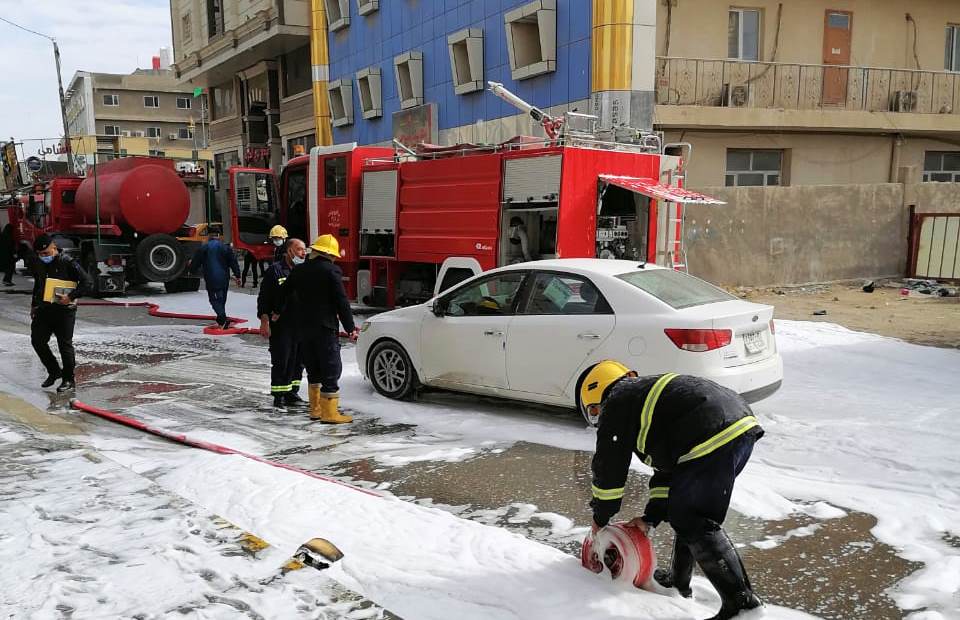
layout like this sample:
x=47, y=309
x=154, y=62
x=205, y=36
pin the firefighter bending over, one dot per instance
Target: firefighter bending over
x=697, y=436
x=278, y=324
x=322, y=306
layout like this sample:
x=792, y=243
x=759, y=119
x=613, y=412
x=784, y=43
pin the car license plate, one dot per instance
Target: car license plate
x=754, y=342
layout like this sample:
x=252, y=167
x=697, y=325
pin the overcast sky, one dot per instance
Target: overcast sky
x=109, y=36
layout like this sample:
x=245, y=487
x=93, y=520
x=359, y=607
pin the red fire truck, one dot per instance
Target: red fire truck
x=125, y=222
x=400, y=213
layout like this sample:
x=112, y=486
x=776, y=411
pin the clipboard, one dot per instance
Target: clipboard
x=54, y=287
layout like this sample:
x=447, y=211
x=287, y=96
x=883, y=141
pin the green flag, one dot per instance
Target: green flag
x=197, y=91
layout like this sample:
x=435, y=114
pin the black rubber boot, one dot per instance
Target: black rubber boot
x=278, y=401
x=66, y=385
x=50, y=380
x=681, y=569
x=720, y=562
x=291, y=398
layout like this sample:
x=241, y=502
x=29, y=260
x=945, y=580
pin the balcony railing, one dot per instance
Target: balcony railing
x=771, y=85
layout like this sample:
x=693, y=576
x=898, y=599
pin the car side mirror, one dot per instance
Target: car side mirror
x=439, y=307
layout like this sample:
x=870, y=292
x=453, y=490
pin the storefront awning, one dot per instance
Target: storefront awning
x=649, y=187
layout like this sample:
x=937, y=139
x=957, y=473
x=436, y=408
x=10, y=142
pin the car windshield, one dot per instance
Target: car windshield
x=674, y=288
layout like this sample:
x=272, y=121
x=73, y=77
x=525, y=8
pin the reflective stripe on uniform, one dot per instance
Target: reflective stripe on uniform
x=720, y=439
x=295, y=383
x=659, y=492
x=649, y=404
x=281, y=388
x=607, y=493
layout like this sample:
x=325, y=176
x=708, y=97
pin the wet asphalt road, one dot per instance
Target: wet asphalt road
x=839, y=570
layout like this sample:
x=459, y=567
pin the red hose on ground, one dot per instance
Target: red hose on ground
x=203, y=445
x=210, y=330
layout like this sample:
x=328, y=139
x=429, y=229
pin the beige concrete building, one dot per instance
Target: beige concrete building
x=811, y=92
x=253, y=57
x=147, y=112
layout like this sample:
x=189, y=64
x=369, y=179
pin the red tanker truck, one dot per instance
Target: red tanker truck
x=125, y=222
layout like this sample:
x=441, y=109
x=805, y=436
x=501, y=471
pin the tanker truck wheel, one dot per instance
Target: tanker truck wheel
x=160, y=258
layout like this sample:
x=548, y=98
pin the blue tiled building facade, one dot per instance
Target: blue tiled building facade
x=400, y=26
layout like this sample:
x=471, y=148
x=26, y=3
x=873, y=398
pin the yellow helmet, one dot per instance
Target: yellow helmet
x=278, y=231
x=327, y=244
x=598, y=380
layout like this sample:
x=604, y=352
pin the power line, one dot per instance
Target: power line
x=16, y=25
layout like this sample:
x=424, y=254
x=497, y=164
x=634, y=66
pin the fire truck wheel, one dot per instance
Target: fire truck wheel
x=390, y=370
x=182, y=285
x=160, y=258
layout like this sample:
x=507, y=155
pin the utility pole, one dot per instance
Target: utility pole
x=63, y=103
x=56, y=57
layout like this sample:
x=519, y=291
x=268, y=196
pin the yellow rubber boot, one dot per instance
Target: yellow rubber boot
x=329, y=410
x=316, y=409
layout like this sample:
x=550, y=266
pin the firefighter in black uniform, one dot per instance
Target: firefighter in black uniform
x=321, y=307
x=55, y=314
x=697, y=436
x=277, y=324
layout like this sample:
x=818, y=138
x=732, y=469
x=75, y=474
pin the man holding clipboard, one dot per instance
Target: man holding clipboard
x=57, y=283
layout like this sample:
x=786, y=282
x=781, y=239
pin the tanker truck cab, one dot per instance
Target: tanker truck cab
x=254, y=210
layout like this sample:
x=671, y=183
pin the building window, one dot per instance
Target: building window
x=335, y=177
x=186, y=27
x=942, y=166
x=153, y=132
x=296, y=71
x=184, y=103
x=466, y=60
x=156, y=153
x=111, y=100
x=743, y=34
x=338, y=14
x=365, y=7
x=532, y=38
x=748, y=168
x=300, y=146
x=214, y=18
x=136, y=134
x=951, y=55
x=341, y=102
x=224, y=101
x=185, y=133
x=368, y=85
x=408, y=71
x=111, y=130
x=151, y=101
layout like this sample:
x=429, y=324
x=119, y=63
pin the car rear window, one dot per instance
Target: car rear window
x=675, y=288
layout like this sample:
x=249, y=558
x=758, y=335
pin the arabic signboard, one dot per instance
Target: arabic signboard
x=11, y=167
x=417, y=125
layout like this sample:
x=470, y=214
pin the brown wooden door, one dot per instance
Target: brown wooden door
x=837, y=36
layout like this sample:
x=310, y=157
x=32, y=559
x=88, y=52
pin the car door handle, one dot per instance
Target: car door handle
x=492, y=332
x=588, y=336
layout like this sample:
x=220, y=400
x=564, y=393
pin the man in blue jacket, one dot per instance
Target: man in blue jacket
x=216, y=260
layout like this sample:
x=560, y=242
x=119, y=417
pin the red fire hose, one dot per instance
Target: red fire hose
x=203, y=445
x=210, y=330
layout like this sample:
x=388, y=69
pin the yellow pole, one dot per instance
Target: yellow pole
x=612, y=45
x=320, y=60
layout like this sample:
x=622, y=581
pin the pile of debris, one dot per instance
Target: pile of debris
x=914, y=287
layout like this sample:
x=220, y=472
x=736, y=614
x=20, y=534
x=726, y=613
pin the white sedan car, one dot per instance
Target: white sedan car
x=532, y=331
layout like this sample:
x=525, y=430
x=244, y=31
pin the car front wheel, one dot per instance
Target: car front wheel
x=390, y=370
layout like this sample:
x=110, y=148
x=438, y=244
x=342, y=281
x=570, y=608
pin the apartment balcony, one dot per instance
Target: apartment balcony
x=725, y=94
x=266, y=34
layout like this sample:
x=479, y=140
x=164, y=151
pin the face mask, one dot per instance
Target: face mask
x=47, y=259
x=297, y=260
x=278, y=242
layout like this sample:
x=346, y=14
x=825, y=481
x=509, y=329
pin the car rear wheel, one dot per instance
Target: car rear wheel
x=390, y=370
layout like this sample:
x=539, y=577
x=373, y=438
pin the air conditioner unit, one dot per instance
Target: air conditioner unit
x=904, y=101
x=137, y=134
x=171, y=136
x=125, y=133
